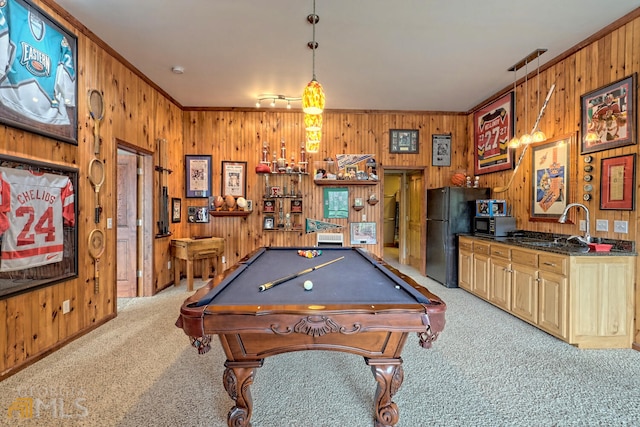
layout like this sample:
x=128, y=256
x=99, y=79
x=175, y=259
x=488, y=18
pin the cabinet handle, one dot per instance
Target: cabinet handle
x=550, y=264
x=497, y=252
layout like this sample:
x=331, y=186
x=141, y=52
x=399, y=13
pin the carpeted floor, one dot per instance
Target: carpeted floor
x=486, y=369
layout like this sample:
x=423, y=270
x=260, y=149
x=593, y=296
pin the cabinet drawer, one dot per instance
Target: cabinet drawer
x=500, y=251
x=524, y=257
x=481, y=248
x=554, y=263
x=465, y=245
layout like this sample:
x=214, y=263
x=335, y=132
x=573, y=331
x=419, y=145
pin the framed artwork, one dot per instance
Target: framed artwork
x=336, y=202
x=550, y=181
x=403, y=141
x=351, y=170
x=618, y=182
x=268, y=223
x=609, y=116
x=198, y=214
x=440, y=150
x=268, y=205
x=176, y=209
x=363, y=233
x=234, y=179
x=40, y=238
x=492, y=131
x=198, y=176
x=52, y=73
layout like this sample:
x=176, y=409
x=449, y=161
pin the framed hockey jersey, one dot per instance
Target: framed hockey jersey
x=38, y=238
x=38, y=64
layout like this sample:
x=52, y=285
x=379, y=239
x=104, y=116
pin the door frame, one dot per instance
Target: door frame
x=406, y=171
x=145, y=241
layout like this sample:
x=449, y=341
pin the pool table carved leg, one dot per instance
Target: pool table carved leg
x=389, y=376
x=237, y=379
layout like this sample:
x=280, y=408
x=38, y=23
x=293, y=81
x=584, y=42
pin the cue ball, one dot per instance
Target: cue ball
x=308, y=285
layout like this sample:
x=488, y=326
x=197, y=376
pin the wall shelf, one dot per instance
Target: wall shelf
x=230, y=213
x=343, y=182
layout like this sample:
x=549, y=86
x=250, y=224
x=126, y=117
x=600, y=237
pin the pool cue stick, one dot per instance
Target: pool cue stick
x=276, y=282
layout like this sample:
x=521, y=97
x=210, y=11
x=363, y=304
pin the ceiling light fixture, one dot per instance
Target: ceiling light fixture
x=275, y=98
x=515, y=141
x=177, y=69
x=313, y=95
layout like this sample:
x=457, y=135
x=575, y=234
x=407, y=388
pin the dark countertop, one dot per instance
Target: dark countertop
x=557, y=243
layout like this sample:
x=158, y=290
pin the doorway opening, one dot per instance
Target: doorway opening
x=134, y=232
x=403, y=214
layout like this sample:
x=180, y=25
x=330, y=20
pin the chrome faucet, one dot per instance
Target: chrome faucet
x=563, y=218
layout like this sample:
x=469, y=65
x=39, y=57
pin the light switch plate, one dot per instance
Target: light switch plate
x=602, y=225
x=583, y=225
x=621, y=226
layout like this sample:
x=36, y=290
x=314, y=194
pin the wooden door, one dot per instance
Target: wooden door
x=126, y=277
x=415, y=221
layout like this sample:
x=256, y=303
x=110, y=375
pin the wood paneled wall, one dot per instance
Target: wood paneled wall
x=138, y=114
x=239, y=136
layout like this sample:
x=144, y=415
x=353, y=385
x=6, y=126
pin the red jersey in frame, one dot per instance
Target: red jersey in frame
x=493, y=129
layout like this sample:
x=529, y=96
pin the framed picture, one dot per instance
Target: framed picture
x=198, y=214
x=336, y=202
x=249, y=206
x=40, y=238
x=296, y=206
x=198, y=176
x=363, y=233
x=550, y=181
x=234, y=179
x=609, y=116
x=176, y=209
x=351, y=170
x=403, y=141
x=268, y=223
x=617, y=184
x=58, y=117
x=268, y=205
x=492, y=131
x=440, y=150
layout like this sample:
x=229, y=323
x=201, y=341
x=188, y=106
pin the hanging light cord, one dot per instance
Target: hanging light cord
x=313, y=46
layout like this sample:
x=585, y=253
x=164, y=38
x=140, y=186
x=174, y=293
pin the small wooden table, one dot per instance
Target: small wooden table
x=189, y=249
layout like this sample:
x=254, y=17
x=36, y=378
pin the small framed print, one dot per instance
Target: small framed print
x=198, y=214
x=441, y=150
x=198, y=176
x=268, y=222
x=234, y=179
x=351, y=170
x=176, y=209
x=363, y=233
x=617, y=185
x=296, y=205
x=403, y=141
x=249, y=206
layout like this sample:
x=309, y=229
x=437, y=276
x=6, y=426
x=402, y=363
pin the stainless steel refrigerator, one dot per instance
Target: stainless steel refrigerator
x=450, y=211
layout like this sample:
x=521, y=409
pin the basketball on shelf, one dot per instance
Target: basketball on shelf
x=458, y=179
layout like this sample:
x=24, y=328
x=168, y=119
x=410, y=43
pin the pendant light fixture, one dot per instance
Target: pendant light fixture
x=538, y=135
x=313, y=95
x=515, y=141
x=526, y=138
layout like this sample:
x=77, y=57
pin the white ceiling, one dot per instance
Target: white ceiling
x=429, y=55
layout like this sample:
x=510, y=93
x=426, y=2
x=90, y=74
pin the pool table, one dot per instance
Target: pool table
x=358, y=304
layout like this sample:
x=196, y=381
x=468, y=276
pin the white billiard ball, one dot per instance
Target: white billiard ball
x=308, y=285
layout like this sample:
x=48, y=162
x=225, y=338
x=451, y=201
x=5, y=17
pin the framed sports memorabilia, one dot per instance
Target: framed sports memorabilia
x=198, y=176
x=441, y=150
x=176, y=209
x=40, y=243
x=550, y=178
x=38, y=93
x=403, y=141
x=492, y=131
x=608, y=116
x=617, y=185
x=234, y=179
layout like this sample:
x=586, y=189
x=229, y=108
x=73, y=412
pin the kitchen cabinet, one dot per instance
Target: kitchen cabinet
x=465, y=263
x=583, y=299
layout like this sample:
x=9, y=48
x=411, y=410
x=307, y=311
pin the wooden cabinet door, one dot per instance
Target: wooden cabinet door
x=500, y=283
x=465, y=270
x=552, y=314
x=481, y=275
x=524, y=301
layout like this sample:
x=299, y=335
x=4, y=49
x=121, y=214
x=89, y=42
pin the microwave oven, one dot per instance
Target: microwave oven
x=496, y=226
